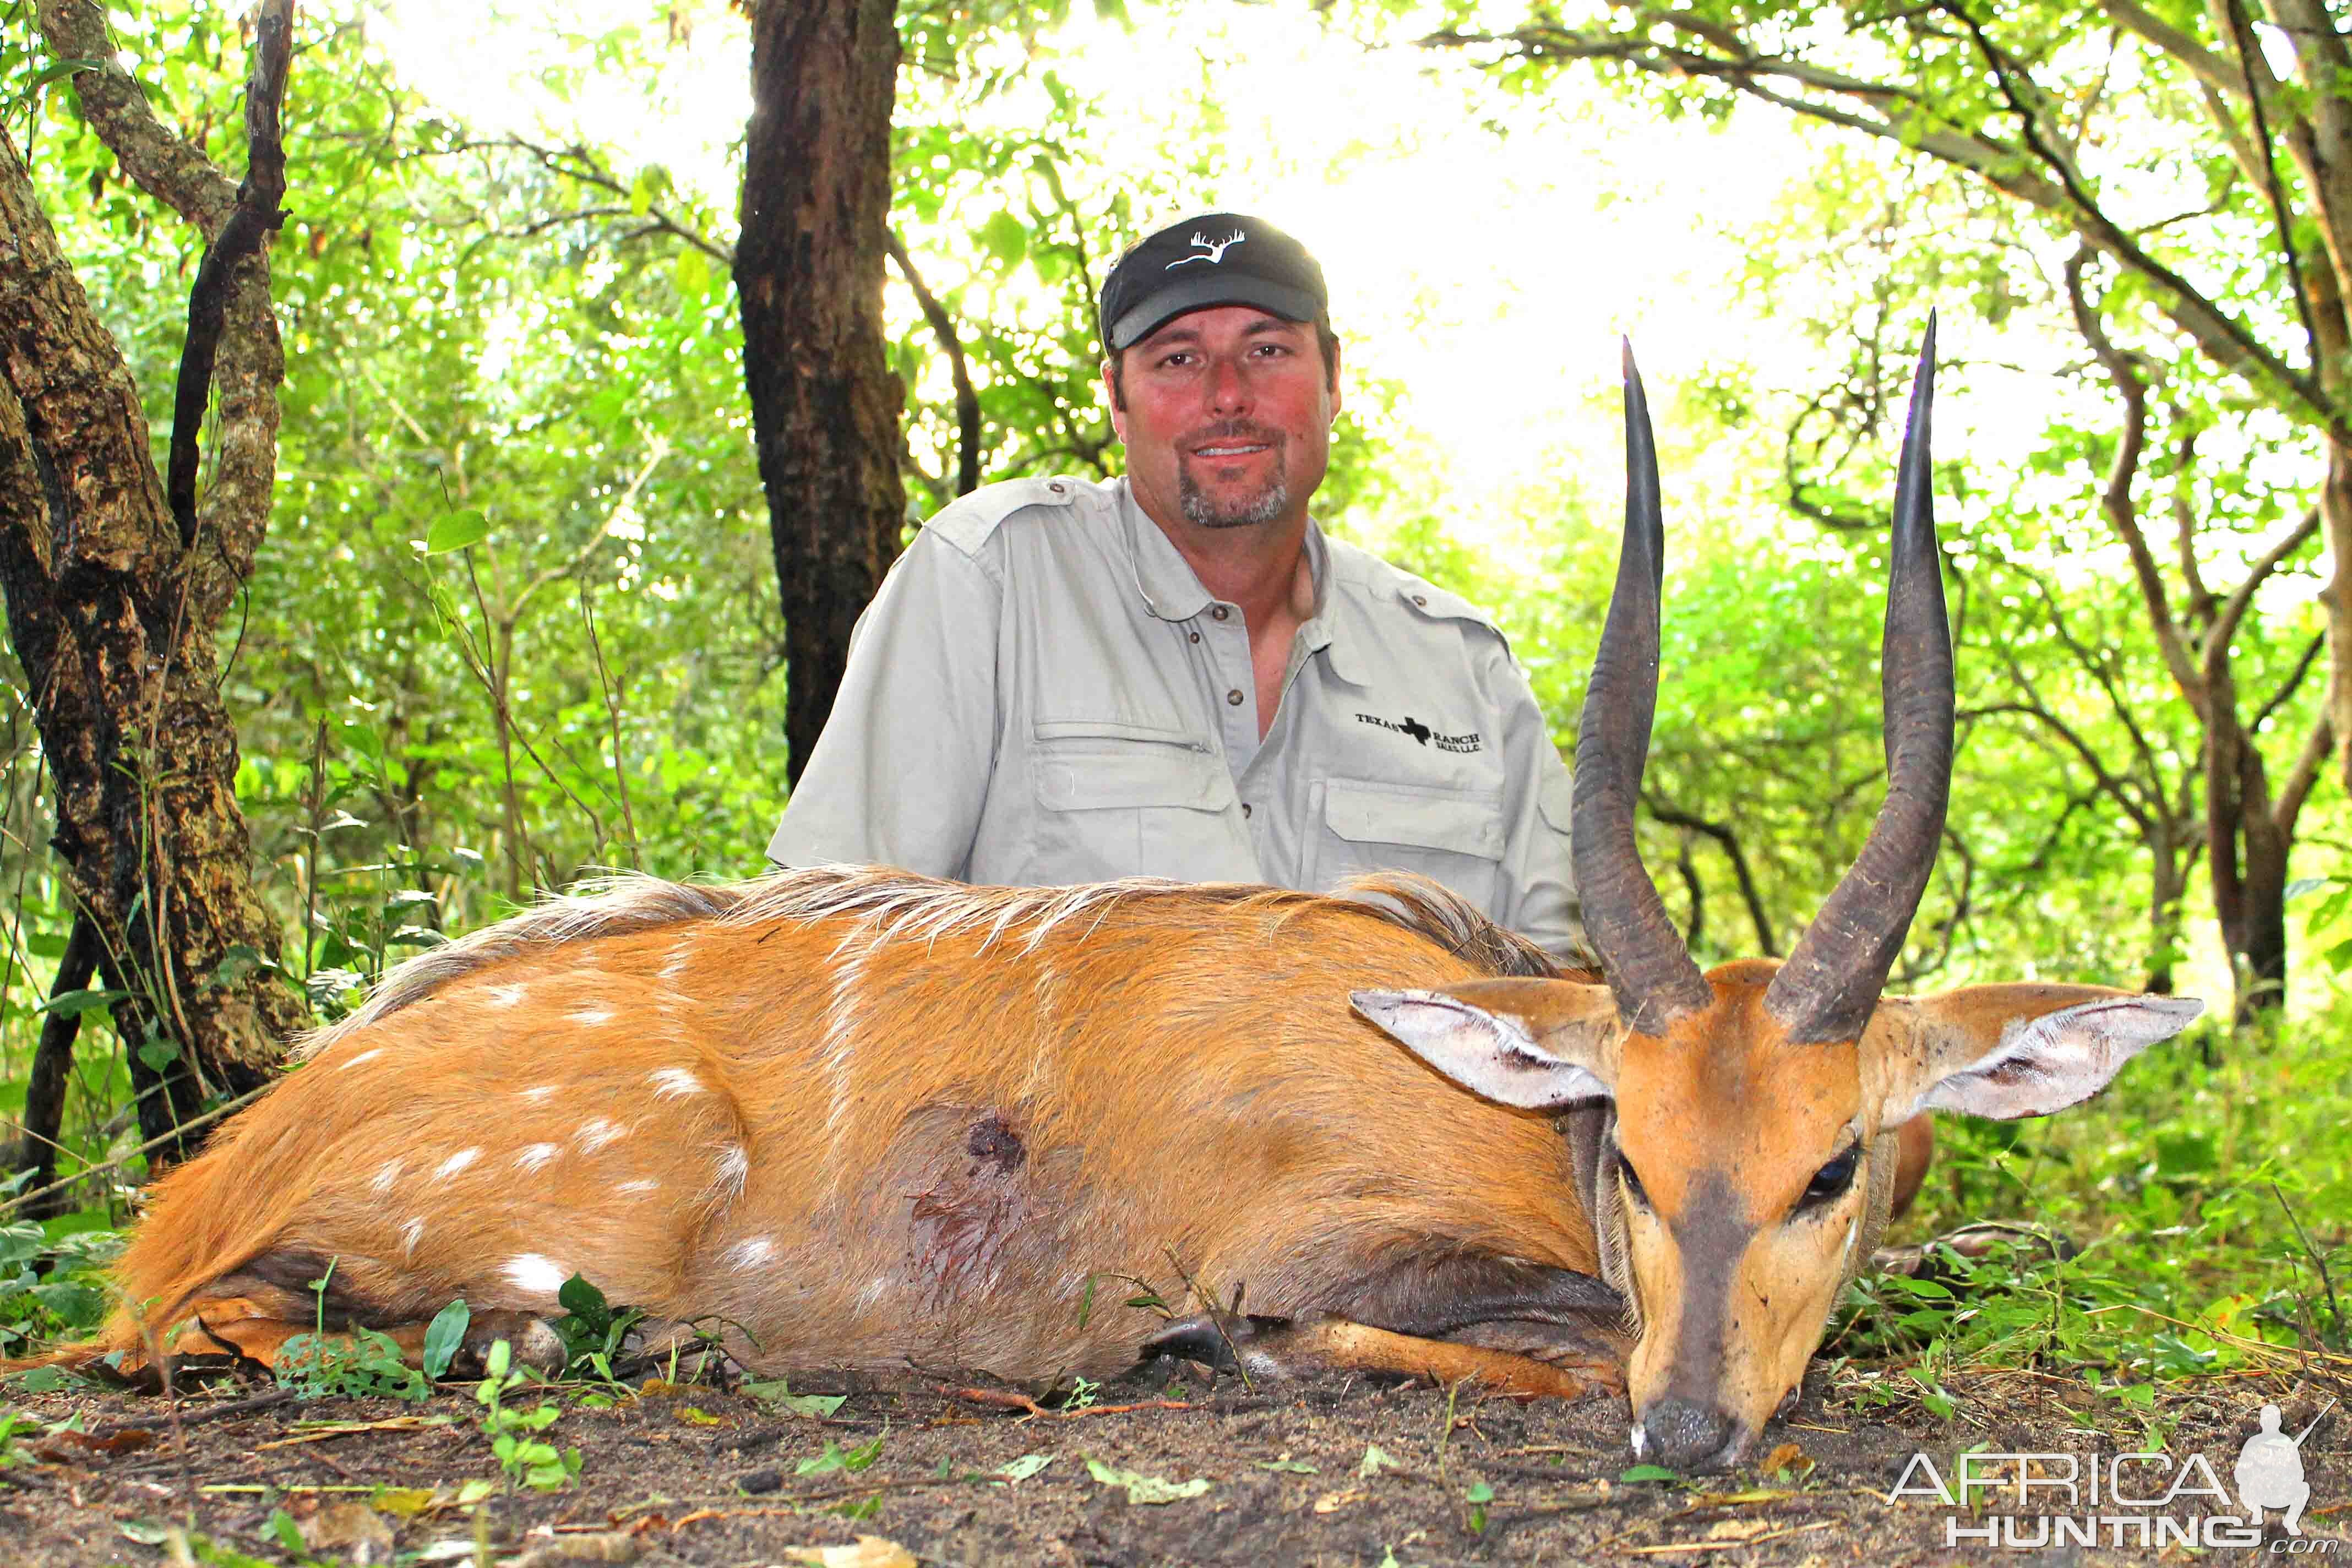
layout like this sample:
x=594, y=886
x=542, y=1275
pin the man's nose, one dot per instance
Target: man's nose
x=1228, y=387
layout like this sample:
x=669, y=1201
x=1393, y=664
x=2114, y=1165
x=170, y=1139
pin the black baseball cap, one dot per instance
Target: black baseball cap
x=1217, y=259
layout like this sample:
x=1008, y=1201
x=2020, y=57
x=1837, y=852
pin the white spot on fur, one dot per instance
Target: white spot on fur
x=364, y=1056
x=536, y=1274
x=593, y=1016
x=751, y=1253
x=670, y=1082
x=454, y=1164
x=539, y=1094
x=387, y=1174
x=502, y=996
x=409, y=1233
x=734, y=1169
x=641, y=1184
x=532, y=1156
x=595, y=1132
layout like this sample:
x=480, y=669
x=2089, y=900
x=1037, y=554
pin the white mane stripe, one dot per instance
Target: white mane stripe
x=885, y=905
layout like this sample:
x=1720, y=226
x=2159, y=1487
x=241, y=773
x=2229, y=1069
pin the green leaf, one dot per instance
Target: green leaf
x=816, y=1407
x=1641, y=1473
x=585, y=1302
x=68, y=1003
x=1022, y=1469
x=282, y=1528
x=690, y=273
x=56, y=69
x=1376, y=1459
x=1149, y=1490
x=1288, y=1466
x=455, y=531
x=1006, y=238
x=445, y=1334
x=158, y=1054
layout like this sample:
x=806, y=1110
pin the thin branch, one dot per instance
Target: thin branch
x=255, y=217
x=2117, y=498
x=2287, y=687
x=2233, y=609
x=2112, y=238
x=2242, y=31
x=967, y=400
x=1729, y=843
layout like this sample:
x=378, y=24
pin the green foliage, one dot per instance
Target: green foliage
x=2209, y=1204
x=592, y=1329
x=353, y=1362
x=523, y=1457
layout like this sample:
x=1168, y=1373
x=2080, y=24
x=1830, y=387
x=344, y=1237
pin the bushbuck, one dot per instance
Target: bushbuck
x=857, y=1118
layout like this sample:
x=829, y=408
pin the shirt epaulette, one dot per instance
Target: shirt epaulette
x=967, y=521
x=1430, y=600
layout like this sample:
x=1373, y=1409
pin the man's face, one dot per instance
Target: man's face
x=1227, y=417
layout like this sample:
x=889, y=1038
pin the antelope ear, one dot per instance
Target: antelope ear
x=2006, y=1052
x=1536, y=1044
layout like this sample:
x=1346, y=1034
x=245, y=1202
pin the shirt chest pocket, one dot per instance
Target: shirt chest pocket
x=1128, y=800
x=1453, y=835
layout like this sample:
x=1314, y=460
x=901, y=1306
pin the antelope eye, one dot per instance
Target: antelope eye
x=1831, y=1180
x=1632, y=1183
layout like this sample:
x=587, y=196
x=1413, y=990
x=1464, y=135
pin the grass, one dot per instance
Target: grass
x=2210, y=1203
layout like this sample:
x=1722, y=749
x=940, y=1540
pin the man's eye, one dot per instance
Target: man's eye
x=1831, y=1180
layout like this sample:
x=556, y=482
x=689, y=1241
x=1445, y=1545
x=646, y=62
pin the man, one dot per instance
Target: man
x=1175, y=673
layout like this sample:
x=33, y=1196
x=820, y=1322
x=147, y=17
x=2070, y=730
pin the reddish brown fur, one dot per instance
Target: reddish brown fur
x=944, y=1136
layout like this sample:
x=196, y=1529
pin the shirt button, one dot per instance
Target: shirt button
x=1421, y=602
x=1057, y=486
x=1245, y=811
x=1221, y=612
x=1196, y=637
x=1233, y=698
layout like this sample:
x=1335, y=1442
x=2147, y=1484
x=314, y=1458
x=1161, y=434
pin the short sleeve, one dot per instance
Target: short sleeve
x=901, y=772
x=1539, y=897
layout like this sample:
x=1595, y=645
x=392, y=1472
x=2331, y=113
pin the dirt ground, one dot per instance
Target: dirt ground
x=1294, y=1475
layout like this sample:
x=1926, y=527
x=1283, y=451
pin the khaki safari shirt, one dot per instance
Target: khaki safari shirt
x=1042, y=693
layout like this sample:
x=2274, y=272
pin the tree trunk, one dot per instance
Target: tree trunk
x=2335, y=514
x=808, y=274
x=112, y=607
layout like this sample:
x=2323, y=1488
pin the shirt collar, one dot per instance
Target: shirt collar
x=1172, y=590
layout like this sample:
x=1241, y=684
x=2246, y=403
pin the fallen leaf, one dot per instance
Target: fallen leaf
x=1376, y=1459
x=604, y=1546
x=779, y=1394
x=871, y=1552
x=1143, y=1489
x=348, y=1526
x=59, y=1446
x=1022, y=1469
x=1331, y=1502
x=1288, y=1465
x=694, y=1415
x=402, y=1503
x=1788, y=1458
x=1741, y=1528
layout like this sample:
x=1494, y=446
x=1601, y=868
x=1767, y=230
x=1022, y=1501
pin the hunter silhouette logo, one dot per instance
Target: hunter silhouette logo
x=1212, y=250
x=2270, y=1470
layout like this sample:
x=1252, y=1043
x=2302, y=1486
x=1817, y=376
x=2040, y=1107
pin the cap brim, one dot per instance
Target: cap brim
x=1198, y=292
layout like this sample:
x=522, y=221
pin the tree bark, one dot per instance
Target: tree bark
x=112, y=608
x=808, y=277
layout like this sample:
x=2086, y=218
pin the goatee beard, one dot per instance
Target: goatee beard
x=1203, y=511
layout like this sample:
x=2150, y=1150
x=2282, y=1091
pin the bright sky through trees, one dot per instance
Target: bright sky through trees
x=1487, y=274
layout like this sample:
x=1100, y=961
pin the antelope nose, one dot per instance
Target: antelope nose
x=1684, y=1435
